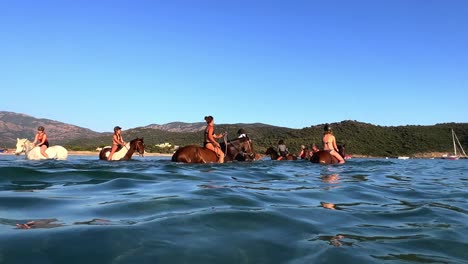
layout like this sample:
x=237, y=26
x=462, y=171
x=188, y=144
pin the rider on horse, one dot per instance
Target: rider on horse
x=329, y=143
x=210, y=139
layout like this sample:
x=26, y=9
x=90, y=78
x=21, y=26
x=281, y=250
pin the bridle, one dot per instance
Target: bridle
x=24, y=148
x=249, y=142
x=140, y=145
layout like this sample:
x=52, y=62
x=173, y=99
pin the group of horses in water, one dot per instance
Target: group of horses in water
x=239, y=149
x=32, y=152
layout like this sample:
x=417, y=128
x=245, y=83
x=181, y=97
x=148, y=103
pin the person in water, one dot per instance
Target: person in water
x=210, y=139
x=42, y=141
x=304, y=154
x=282, y=150
x=117, y=141
x=313, y=149
x=329, y=143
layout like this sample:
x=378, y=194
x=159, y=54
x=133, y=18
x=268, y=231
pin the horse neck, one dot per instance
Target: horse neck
x=131, y=149
x=342, y=152
x=273, y=153
x=223, y=147
x=28, y=146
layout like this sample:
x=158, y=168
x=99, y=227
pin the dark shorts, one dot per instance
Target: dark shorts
x=45, y=144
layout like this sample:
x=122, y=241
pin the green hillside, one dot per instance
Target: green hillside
x=360, y=138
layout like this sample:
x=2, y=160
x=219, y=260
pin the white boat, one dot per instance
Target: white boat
x=455, y=155
x=403, y=157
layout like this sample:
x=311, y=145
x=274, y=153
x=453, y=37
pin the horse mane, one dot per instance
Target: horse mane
x=271, y=148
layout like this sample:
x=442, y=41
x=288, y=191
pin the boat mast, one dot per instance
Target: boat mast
x=459, y=144
x=454, y=146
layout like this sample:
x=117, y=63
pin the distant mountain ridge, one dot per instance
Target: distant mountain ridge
x=15, y=125
x=178, y=127
x=181, y=127
x=18, y=125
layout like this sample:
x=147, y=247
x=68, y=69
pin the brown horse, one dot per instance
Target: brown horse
x=324, y=157
x=239, y=149
x=125, y=152
x=274, y=154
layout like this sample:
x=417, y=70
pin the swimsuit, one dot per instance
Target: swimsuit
x=206, y=141
x=118, y=144
x=46, y=142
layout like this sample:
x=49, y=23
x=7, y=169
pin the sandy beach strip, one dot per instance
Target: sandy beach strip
x=93, y=153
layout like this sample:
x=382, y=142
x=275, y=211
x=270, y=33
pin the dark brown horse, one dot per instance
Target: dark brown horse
x=324, y=157
x=125, y=152
x=239, y=149
x=274, y=154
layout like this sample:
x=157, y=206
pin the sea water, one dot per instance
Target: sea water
x=152, y=210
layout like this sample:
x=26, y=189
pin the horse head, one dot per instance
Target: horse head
x=240, y=149
x=246, y=148
x=272, y=152
x=139, y=145
x=21, y=145
x=341, y=150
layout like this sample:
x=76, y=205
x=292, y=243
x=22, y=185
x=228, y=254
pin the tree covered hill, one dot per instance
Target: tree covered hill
x=360, y=138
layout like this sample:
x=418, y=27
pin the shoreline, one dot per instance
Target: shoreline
x=92, y=153
x=96, y=153
x=429, y=155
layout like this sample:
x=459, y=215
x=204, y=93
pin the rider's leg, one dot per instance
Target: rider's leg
x=114, y=148
x=43, y=149
x=220, y=155
x=338, y=156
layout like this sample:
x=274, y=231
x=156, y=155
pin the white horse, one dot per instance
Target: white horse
x=34, y=153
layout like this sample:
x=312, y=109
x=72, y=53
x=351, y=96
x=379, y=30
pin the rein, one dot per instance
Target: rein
x=250, y=154
x=136, y=146
x=225, y=142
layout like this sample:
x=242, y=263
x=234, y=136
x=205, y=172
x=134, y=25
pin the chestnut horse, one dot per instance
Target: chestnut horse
x=125, y=152
x=239, y=149
x=324, y=157
x=274, y=154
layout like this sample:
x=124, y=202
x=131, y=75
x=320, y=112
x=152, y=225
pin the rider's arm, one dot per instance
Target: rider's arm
x=35, y=139
x=212, y=137
x=44, y=138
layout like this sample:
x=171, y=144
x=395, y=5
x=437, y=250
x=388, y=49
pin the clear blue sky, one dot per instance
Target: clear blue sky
x=98, y=64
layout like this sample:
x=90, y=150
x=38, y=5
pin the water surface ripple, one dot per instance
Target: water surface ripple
x=151, y=210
